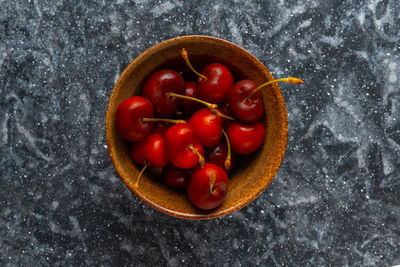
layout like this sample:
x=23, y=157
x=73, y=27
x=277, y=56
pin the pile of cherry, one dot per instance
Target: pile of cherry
x=189, y=128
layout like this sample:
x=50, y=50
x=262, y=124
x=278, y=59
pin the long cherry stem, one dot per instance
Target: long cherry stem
x=209, y=105
x=201, y=158
x=213, y=107
x=186, y=58
x=227, y=163
x=140, y=175
x=219, y=114
x=163, y=120
x=286, y=80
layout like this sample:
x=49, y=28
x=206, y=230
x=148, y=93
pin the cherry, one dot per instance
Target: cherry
x=176, y=177
x=246, y=138
x=188, y=106
x=245, y=99
x=248, y=111
x=221, y=156
x=207, y=126
x=183, y=146
x=156, y=90
x=214, y=81
x=129, y=116
x=150, y=152
x=215, y=88
x=208, y=186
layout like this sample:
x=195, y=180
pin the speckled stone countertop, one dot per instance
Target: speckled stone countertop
x=334, y=202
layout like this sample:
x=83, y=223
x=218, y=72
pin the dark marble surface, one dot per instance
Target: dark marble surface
x=334, y=202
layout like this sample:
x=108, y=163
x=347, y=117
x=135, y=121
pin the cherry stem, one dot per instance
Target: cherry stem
x=140, y=174
x=219, y=114
x=228, y=156
x=164, y=120
x=286, y=80
x=213, y=107
x=186, y=58
x=209, y=105
x=212, y=183
x=201, y=158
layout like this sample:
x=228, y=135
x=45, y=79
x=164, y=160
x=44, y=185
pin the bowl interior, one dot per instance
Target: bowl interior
x=251, y=174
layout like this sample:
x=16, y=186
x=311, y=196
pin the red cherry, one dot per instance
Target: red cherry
x=129, y=116
x=183, y=146
x=215, y=88
x=244, y=138
x=157, y=87
x=245, y=100
x=207, y=126
x=217, y=155
x=151, y=151
x=188, y=106
x=208, y=186
x=247, y=110
x=175, y=177
x=214, y=81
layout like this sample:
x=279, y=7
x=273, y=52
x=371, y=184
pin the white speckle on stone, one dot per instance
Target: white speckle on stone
x=392, y=78
x=303, y=200
x=305, y=23
x=162, y=8
x=237, y=37
x=4, y=130
x=37, y=8
x=54, y=204
x=332, y=40
x=361, y=17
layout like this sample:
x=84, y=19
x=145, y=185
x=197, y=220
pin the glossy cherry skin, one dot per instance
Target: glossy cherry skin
x=246, y=138
x=216, y=87
x=156, y=89
x=176, y=177
x=217, y=155
x=189, y=106
x=247, y=111
x=207, y=126
x=150, y=151
x=202, y=191
x=177, y=140
x=128, y=118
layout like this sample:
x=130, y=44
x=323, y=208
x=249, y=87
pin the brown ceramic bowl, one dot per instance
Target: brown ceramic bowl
x=251, y=174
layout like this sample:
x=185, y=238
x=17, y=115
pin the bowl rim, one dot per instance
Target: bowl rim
x=248, y=199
